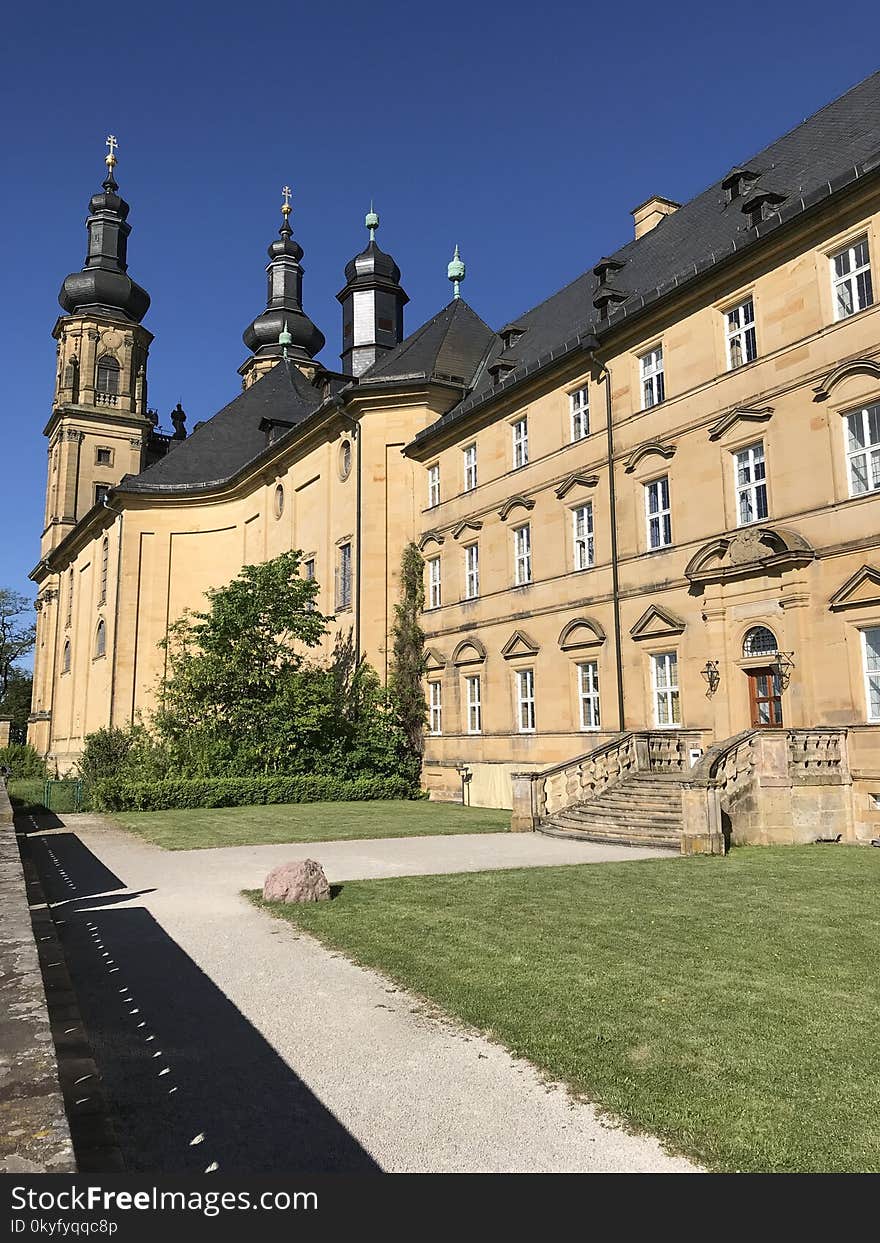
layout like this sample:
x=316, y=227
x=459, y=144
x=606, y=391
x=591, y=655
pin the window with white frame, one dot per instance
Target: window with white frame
x=433, y=485
x=470, y=468
x=525, y=694
x=742, y=343
x=863, y=450
x=582, y=523
x=871, y=662
x=343, y=577
x=520, y=430
x=474, y=704
x=588, y=694
x=851, y=279
x=750, y=478
x=435, y=703
x=522, y=555
x=472, y=571
x=653, y=383
x=658, y=515
x=664, y=676
x=435, y=594
x=579, y=404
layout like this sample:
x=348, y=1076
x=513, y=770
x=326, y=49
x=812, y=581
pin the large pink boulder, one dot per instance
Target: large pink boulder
x=302, y=881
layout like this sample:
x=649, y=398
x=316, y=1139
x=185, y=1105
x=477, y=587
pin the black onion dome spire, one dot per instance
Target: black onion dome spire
x=103, y=286
x=284, y=311
x=372, y=285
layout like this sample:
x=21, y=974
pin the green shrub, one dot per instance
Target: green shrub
x=113, y=794
x=22, y=761
x=126, y=754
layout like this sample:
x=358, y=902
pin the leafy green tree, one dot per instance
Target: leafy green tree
x=408, y=668
x=16, y=702
x=17, y=632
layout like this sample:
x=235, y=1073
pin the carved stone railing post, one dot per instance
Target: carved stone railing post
x=524, y=817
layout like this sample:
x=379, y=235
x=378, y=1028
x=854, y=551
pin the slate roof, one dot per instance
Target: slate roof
x=449, y=347
x=217, y=449
x=827, y=151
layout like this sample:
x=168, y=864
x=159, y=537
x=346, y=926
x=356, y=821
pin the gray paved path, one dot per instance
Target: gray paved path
x=229, y=1041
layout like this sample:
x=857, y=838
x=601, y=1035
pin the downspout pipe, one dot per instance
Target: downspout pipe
x=605, y=375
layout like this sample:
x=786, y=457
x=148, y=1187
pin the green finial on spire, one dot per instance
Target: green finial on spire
x=371, y=220
x=284, y=339
x=456, y=272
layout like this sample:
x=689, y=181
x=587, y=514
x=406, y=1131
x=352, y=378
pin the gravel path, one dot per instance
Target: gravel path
x=228, y=1041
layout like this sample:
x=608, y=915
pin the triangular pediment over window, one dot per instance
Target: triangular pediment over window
x=434, y=660
x=519, y=644
x=657, y=623
x=862, y=588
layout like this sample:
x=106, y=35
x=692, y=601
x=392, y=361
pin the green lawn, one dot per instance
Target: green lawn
x=196, y=829
x=730, y=1006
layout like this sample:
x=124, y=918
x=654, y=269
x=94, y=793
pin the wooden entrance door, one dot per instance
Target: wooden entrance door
x=765, y=697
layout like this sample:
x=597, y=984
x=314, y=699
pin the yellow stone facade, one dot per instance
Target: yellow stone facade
x=807, y=571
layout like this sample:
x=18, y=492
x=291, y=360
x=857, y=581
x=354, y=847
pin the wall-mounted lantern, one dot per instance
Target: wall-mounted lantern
x=712, y=675
x=782, y=665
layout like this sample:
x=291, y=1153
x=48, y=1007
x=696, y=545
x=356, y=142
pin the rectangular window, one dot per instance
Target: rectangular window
x=851, y=279
x=470, y=468
x=474, y=705
x=522, y=555
x=863, y=450
x=579, y=404
x=520, y=442
x=435, y=702
x=871, y=658
x=69, y=617
x=584, y=550
x=588, y=694
x=472, y=571
x=658, y=515
x=101, y=491
x=750, y=476
x=664, y=674
x=103, y=457
x=525, y=686
x=310, y=569
x=343, y=577
x=105, y=561
x=742, y=344
x=435, y=594
x=653, y=384
x=433, y=485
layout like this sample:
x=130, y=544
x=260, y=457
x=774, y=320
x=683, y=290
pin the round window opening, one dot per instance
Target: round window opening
x=759, y=641
x=279, y=500
x=345, y=459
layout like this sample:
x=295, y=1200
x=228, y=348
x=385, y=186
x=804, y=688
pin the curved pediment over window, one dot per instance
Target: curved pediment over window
x=512, y=503
x=469, y=652
x=577, y=480
x=434, y=660
x=519, y=644
x=579, y=633
x=856, y=366
x=469, y=524
x=742, y=414
x=753, y=550
x=860, y=589
x=430, y=537
x=650, y=448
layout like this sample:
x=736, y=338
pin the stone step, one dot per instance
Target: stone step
x=632, y=798
x=596, y=811
x=661, y=841
x=636, y=824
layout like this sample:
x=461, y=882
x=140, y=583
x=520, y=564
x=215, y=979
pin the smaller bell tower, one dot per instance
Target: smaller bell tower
x=99, y=427
x=372, y=305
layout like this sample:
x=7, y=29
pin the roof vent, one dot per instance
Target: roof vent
x=649, y=214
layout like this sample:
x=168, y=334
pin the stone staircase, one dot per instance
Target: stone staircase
x=642, y=809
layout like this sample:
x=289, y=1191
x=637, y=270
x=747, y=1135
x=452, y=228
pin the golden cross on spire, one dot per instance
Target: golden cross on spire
x=285, y=206
x=112, y=144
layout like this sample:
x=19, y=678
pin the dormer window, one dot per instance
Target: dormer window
x=511, y=334
x=107, y=376
x=500, y=368
x=760, y=204
x=737, y=182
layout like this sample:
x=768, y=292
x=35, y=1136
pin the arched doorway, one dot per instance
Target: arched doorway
x=765, y=683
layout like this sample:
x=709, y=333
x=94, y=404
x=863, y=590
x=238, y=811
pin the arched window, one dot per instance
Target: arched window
x=107, y=377
x=101, y=639
x=65, y=657
x=759, y=641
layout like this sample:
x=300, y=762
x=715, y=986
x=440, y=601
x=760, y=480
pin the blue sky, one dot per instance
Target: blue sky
x=523, y=132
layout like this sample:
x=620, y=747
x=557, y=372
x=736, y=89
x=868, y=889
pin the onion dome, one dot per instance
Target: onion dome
x=103, y=286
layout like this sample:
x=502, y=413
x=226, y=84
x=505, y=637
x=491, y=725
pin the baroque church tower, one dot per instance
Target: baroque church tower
x=100, y=428
x=372, y=305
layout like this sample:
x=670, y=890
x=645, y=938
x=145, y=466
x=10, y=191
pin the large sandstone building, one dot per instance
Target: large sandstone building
x=649, y=507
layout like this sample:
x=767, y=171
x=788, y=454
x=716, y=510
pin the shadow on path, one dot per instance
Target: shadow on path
x=192, y=1085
